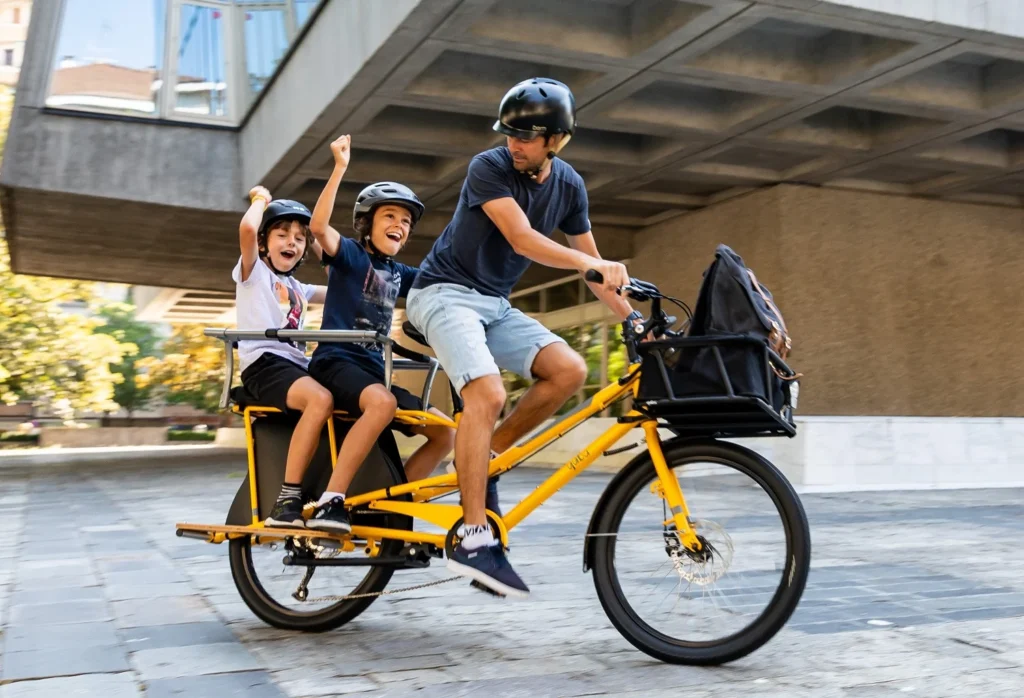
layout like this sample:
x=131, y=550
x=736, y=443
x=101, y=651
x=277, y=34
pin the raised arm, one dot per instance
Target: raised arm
x=320, y=225
x=249, y=228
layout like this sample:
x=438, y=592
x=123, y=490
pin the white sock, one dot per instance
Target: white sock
x=474, y=537
x=328, y=496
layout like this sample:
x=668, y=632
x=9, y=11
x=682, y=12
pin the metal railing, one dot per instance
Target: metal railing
x=414, y=361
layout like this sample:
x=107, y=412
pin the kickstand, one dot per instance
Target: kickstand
x=302, y=592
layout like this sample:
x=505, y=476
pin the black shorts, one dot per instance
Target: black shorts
x=347, y=381
x=268, y=378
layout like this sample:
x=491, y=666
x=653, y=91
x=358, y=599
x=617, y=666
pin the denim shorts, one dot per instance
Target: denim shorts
x=474, y=335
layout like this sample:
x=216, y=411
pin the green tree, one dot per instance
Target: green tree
x=140, y=341
x=51, y=357
x=191, y=370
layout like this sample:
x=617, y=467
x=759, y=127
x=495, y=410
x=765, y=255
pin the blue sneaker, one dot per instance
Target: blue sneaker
x=490, y=568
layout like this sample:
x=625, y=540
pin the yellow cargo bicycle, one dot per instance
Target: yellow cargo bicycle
x=699, y=547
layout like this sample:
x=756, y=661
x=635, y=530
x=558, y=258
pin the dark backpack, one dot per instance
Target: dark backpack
x=731, y=303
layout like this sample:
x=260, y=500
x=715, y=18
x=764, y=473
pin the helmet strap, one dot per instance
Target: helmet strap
x=534, y=173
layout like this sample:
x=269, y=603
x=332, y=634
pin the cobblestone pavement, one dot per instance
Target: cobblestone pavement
x=911, y=593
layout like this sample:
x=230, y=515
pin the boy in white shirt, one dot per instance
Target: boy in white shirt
x=274, y=237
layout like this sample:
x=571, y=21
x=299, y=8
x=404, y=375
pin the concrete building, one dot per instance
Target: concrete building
x=866, y=157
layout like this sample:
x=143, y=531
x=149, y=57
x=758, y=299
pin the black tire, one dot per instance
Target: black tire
x=273, y=613
x=779, y=608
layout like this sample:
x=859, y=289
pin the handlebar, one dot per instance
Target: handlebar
x=658, y=324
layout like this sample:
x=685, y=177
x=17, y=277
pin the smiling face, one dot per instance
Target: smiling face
x=286, y=243
x=391, y=227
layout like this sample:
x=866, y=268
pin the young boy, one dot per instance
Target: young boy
x=363, y=284
x=274, y=238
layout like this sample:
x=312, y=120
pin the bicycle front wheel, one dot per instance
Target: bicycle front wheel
x=711, y=606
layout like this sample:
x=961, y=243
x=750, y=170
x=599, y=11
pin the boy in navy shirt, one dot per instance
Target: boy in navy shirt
x=363, y=284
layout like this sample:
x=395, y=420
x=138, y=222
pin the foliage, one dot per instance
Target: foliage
x=50, y=356
x=191, y=371
x=191, y=435
x=140, y=341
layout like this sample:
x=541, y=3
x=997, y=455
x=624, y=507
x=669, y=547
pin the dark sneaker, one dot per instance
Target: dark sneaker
x=287, y=513
x=488, y=566
x=331, y=516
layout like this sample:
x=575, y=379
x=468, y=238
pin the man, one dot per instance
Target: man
x=513, y=198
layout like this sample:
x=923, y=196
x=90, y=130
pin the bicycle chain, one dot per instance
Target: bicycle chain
x=386, y=592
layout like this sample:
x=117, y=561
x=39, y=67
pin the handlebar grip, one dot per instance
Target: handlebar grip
x=593, y=275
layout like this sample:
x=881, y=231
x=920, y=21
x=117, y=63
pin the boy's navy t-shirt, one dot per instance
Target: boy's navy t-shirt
x=361, y=294
x=472, y=251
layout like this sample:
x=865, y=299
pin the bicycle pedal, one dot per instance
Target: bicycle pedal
x=477, y=585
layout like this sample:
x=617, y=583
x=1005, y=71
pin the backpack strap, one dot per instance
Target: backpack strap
x=779, y=337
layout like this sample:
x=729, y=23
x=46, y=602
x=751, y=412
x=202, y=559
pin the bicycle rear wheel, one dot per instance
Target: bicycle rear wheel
x=713, y=606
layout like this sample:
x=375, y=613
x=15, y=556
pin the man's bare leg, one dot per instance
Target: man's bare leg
x=560, y=372
x=482, y=400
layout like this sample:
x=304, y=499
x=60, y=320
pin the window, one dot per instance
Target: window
x=16, y=16
x=8, y=56
x=196, y=60
x=201, y=85
x=303, y=10
x=110, y=56
x=266, y=41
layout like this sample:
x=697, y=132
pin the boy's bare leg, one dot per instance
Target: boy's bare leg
x=378, y=407
x=316, y=405
x=440, y=442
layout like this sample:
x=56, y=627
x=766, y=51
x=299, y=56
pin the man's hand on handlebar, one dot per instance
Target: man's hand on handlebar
x=611, y=275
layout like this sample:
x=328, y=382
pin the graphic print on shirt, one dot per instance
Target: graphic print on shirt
x=293, y=308
x=377, y=305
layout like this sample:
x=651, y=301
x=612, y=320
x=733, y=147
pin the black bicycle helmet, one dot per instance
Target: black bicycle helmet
x=282, y=210
x=387, y=193
x=538, y=106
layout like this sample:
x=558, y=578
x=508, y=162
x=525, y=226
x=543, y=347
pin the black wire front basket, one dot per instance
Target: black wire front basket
x=719, y=386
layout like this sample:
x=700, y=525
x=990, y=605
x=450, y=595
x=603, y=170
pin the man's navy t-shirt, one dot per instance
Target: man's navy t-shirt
x=361, y=294
x=472, y=251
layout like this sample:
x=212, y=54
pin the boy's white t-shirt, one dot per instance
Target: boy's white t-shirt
x=267, y=301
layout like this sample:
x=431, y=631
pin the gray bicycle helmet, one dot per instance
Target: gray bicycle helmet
x=387, y=193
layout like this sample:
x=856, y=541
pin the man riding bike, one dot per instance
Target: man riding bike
x=513, y=198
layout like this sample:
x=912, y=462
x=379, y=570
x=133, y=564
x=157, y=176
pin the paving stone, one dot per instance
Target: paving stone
x=193, y=660
x=46, y=663
x=87, y=686
x=58, y=595
x=177, y=635
x=245, y=684
x=135, y=613
x=148, y=591
x=60, y=613
x=20, y=638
